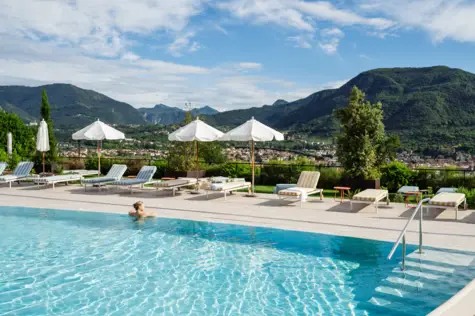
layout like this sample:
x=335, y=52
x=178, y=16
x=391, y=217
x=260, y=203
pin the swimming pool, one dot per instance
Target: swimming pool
x=65, y=262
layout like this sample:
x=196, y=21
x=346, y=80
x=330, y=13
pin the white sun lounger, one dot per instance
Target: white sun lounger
x=21, y=172
x=176, y=184
x=3, y=166
x=306, y=185
x=115, y=174
x=448, y=200
x=227, y=187
x=53, y=180
x=372, y=196
x=82, y=172
x=144, y=177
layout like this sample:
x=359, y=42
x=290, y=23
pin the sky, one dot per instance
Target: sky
x=227, y=54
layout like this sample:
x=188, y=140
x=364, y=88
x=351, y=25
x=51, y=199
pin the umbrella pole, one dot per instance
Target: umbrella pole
x=98, y=157
x=43, y=161
x=252, y=166
x=197, y=158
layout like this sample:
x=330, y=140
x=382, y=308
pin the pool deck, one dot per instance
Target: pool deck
x=328, y=217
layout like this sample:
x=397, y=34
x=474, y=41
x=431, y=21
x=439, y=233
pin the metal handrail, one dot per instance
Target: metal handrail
x=402, y=235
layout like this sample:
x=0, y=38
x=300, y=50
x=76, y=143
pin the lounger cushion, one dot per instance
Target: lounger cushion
x=371, y=195
x=3, y=166
x=408, y=188
x=8, y=178
x=229, y=186
x=98, y=180
x=174, y=183
x=130, y=181
x=82, y=172
x=296, y=191
x=23, y=169
x=61, y=178
x=448, y=190
x=448, y=199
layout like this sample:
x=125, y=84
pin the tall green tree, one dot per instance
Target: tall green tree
x=362, y=146
x=181, y=155
x=45, y=111
x=23, y=137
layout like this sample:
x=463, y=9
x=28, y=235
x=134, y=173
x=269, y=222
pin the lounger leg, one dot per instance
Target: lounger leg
x=301, y=202
x=376, y=206
x=53, y=186
x=173, y=191
x=321, y=195
x=225, y=195
x=207, y=194
x=10, y=183
x=351, y=206
x=387, y=199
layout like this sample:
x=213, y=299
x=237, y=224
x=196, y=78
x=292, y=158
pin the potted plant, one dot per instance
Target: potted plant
x=362, y=146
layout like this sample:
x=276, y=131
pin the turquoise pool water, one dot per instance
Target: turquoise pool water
x=77, y=263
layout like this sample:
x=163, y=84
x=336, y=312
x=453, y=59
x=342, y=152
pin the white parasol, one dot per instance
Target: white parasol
x=98, y=131
x=42, y=140
x=253, y=131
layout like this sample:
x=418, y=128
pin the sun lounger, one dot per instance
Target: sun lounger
x=21, y=172
x=448, y=200
x=226, y=187
x=372, y=196
x=306, y=185
x=176, y=184
x=115, y=174
x=447, y=190
x=3, y=166
x=53, y=180
x=144, y=177
x=82, y=172
x=408, y=188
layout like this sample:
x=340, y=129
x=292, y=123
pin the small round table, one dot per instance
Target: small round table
x=342, y=192
x=418, y=194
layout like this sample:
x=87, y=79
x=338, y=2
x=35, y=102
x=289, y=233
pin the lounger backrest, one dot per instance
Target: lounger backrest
x=308, y=179
x=116, y=171
x=146, y=173
x=3, y=166
x=23, y=169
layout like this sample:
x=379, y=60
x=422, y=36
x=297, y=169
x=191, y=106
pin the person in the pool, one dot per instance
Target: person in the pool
x=139, y=211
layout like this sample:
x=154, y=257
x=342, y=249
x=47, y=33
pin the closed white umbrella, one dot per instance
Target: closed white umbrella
x=253, y=131
x=98, y=131
x=42, y=140
x=196, y=131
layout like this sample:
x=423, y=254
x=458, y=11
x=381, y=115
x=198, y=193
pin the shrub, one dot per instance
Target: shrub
x=398, y=198
x=395, y=175
x=330, y=177
x=469, y=195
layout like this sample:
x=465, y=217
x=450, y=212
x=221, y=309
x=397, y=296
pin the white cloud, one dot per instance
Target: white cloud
x=330, y=39
x=183, y=42
x=249, y=66
x=442, y=19
x=300, y=41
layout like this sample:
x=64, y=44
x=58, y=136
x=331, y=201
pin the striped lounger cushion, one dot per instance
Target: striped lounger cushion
x=447, y=199
x=98, y=180
x=293, y=191
x=145, y=175
x=3, y=166
x=23, y=169
x=173, y=183
x=114, y=174
x=62, y=178
x=370, y=195
x=229, y=186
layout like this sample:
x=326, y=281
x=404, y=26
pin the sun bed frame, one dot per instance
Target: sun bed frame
x=115, y=174
x=176, y=184
x=361, y=198
x=448, y=200
x=53, y=180
x=308, y=181
x=144, y=177
x=21, y=172
x=228, y=187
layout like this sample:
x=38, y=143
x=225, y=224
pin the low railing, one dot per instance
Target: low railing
x=402, y=235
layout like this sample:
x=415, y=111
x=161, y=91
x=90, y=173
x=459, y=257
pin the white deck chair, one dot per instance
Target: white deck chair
x=21, y=172
x=371, y=196
x=448, y=200
x=176, y=184
x=227, y=187
x=115, y=174
x=306, y=185
x=53, y=180
x=144, y=177
x=3, y=166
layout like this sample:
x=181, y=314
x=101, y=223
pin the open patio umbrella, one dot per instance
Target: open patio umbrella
x=42, y=140
x=196, y=131
x=253, y=131
x=98, y=131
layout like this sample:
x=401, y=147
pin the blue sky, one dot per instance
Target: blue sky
x=228, y=54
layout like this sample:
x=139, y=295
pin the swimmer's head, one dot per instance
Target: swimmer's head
x=138, y=205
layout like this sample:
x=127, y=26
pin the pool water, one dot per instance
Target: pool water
x=71, y=263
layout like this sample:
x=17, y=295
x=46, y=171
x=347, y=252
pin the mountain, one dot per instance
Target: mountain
x=437, y=101
x=164, y=114
x=70, y=105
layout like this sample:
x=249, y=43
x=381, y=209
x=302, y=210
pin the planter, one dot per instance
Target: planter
x=185, y=174
x=361, y=184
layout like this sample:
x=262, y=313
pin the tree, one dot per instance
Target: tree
x=181, y=154
x=212, y=153
x=45, y=111
x=362, y=146
x=23, y=136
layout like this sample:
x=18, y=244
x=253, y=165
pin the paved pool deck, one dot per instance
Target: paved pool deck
x=327, y=216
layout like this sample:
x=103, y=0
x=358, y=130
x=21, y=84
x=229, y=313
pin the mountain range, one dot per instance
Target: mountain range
x=164, y=114
x=428, y=104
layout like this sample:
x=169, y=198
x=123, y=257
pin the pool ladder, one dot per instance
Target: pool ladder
x=402, y=236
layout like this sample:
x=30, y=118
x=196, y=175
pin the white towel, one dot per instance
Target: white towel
x=303, y=193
